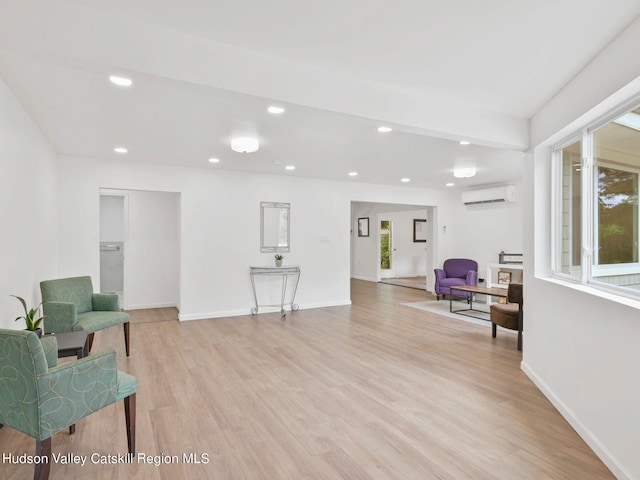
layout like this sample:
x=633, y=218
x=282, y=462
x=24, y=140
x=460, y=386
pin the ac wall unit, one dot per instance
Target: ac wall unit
x=505, y=193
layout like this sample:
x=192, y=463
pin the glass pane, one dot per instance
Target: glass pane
x=571, y=231
x=617, y=160
x=617, y=216
x=385, y=244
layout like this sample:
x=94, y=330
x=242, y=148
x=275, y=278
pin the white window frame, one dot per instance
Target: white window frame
x=588, y=241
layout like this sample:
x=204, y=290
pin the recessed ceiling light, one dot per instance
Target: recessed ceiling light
x=290, y=167
x=353, y=174
x=214, y=160
x=384, y=129
x=464, y=142
x=245, y=144
x=405, y=180
x=275, y=110
x=464, y=172
x=121, y=81
x=120, y=150
x=450, y=184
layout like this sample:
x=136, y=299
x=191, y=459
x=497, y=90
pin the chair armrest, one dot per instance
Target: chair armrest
x=440, y=274
x=472, y=277
x=60, y=316
x=105, y=302
x=50, y=347
x=73, y=390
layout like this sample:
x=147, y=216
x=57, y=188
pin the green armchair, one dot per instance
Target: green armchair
x=70, y=305
x=40, y=398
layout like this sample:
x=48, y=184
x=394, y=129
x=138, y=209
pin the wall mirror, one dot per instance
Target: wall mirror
x=274, y=227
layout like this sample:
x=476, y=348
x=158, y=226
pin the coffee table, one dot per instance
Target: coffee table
x=492, y=292
x=72, y=344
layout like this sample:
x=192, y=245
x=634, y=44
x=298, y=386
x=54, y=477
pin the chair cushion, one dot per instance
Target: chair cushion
x=94, y=321
x=505, y=315
x=452, y=282
x=127, y=385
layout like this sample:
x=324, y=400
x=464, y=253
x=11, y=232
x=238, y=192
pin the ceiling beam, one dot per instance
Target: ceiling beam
x=68, y=32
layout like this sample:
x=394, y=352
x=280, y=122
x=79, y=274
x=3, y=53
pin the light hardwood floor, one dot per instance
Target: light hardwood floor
x=371, y=391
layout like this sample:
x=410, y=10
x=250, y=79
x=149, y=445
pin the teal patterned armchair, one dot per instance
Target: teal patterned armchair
x=40, y=398
x=70, y=305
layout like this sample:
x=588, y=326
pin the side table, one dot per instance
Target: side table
x=72, y=344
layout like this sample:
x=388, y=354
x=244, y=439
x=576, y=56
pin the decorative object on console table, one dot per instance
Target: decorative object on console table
x=32, y=323
x=363, y=227
x=419, y=230
x=279, y=258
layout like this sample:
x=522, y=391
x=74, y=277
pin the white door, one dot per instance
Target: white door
x=386, y=249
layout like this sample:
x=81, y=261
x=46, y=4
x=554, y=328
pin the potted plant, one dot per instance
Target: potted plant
x=279, y=258
x=29, y=317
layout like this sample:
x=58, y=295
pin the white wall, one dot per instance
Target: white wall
x=580, y=346
x=219, y=228
x=480, y=232
x=152, y=250
x=409, y=258
x=112, y=218
x=28, y=213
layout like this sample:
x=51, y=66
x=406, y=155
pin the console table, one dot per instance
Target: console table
x=291, y=273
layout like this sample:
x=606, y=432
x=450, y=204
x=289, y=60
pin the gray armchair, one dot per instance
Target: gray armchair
x=70, y=305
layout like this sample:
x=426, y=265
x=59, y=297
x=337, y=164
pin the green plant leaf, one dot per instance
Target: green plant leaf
x=24, y=304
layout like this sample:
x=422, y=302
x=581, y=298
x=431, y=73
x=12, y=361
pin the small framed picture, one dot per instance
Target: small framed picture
x=419, y=230
x=363, y=227
x=504, y=278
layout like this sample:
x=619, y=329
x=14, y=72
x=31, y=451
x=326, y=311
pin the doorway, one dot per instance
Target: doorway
x=140, y=247
x=409, y=259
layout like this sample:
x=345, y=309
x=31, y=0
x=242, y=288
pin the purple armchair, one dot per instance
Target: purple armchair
x=455, y=272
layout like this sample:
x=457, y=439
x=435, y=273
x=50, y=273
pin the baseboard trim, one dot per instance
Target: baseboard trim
x=366, y=279
x=247, y=311
x=152, y=305
x=585, y=433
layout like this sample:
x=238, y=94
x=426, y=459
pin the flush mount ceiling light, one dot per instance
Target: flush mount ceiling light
x=121, y=150
x=465, y=172
x=464, y=142
x=405, y=180
x=450, y=184
x=214, y=160
x=275, y=110
x=385, y=129
x=245, y=144
x=290, y=167
x=352, y=174
x=120, y=81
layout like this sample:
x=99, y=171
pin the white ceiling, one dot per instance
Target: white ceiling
x=340, y=69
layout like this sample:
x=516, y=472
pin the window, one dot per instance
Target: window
x=597, y=215
x=571, y=218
